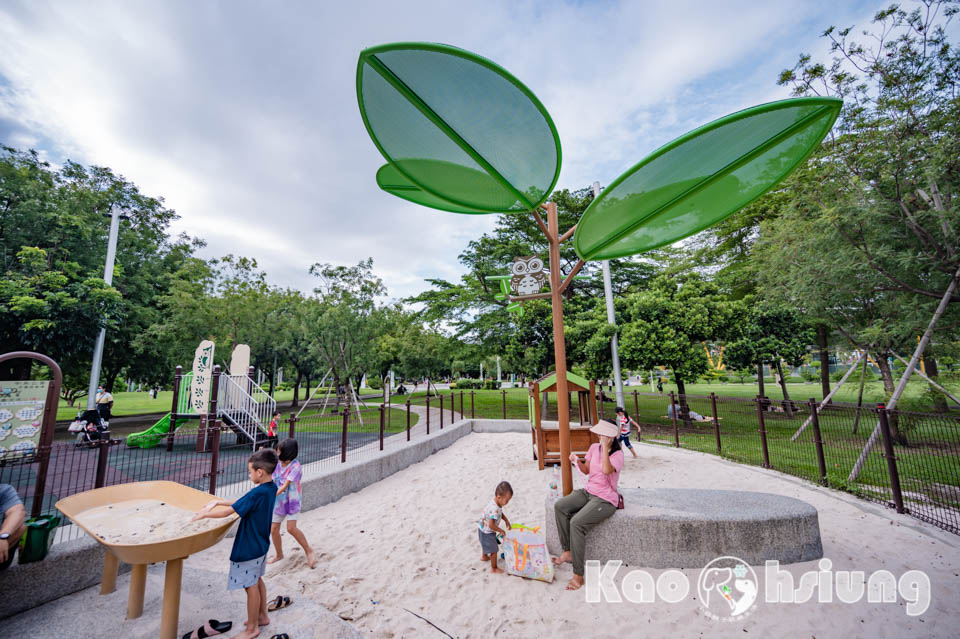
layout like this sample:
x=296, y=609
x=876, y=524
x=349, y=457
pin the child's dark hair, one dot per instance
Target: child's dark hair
x=264, y=459
x=620, y=410
x=503, y=488
x=276, y=413
x=287, y=449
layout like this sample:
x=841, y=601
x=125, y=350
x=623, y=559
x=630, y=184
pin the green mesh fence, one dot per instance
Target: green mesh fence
x=702, y=177
x=462, y=134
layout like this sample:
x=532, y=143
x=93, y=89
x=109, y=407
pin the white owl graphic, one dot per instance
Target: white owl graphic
x=528, y=275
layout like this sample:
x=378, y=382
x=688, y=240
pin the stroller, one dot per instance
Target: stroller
x=91, y=426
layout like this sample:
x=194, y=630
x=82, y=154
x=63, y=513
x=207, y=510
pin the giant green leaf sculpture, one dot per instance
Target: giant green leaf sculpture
x=702, y=177
x=462, y=133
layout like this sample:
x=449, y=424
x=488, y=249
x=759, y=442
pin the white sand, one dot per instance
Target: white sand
x=143, y=521
x=409, y=542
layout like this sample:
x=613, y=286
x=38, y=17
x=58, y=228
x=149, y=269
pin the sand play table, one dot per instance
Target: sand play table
x=87, y=510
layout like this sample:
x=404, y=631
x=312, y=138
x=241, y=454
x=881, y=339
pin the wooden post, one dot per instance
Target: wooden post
x=592, y=407
x=504, y=394
x=891, y=459
x=461, y=404
x=636, y=405
x=381, y=426
x=716, y=419
x=343, y=439
x=103, y=447
x=408, y=419
x=214, y=457
x=676, y=427
x=428, y=408
x=453, y=400
x=473, y=414
x=761, y=404
x=559, y=346
x=441, y=411
x=818, y=442
x=177, y=376
x=293, y=421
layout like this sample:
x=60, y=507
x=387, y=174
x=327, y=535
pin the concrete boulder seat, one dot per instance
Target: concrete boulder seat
x=687, y=528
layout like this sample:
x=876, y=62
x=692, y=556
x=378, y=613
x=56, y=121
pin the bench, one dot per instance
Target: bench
x=687, y=528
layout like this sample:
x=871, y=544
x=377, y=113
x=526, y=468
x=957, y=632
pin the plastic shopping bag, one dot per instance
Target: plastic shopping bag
x=524, y=553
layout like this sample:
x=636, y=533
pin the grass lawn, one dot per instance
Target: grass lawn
x=310, y=421
x=488, y=404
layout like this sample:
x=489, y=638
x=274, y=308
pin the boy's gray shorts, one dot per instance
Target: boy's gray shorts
x=244, y=574
x=488, y=542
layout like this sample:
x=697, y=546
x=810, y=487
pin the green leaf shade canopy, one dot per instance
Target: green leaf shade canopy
x=460, y=132
x=396, y=183
x=702, y=177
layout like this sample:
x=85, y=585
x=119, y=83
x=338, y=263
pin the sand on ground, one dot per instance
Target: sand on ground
x=407, y=546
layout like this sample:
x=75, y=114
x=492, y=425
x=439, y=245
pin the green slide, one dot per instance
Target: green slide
x=152, y=436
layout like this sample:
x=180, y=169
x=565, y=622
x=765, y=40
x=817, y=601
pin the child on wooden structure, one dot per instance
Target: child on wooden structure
x=248, y=559
x=624, y=421
x=488, y=524
x=287, y=476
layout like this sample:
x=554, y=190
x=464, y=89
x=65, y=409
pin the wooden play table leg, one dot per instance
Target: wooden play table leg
x=170, y=616
x=138, y=583
x=108, y=583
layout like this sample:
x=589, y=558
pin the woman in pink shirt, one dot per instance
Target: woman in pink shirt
x=583, y=509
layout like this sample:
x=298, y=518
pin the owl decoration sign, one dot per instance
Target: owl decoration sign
x=528, y=275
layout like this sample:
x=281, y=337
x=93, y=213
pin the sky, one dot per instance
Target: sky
x=243, y=115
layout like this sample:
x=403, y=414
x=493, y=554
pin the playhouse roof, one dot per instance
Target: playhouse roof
x=574, y=382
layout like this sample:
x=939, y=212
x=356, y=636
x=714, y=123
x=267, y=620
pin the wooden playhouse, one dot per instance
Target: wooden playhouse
x=546, y=435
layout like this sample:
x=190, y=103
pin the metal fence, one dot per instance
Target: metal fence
x=914, y=467
x=918, y=475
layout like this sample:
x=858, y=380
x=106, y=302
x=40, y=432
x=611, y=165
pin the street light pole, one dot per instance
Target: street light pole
x=115, y=216
x=611, y=318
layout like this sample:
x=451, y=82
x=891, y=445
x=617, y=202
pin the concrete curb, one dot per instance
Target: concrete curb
x=78, y=564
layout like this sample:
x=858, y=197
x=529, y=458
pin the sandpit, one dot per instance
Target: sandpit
x=142, y=521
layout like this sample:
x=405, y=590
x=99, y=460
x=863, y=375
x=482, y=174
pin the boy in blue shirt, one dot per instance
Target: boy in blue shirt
x=249, y=557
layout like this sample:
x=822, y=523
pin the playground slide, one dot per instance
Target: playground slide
x=152, y=436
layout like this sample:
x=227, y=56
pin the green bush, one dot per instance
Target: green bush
x=374, y=382
x=467, y=383
x=491, y=384
x=809, y=375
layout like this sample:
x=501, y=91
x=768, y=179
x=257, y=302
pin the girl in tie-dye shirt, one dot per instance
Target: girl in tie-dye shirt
x=287, y=477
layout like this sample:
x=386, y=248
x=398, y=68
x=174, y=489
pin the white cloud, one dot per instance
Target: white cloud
x=243, y=115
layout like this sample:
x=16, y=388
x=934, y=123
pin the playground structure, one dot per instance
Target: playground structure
x=207, y=394
x=139, y=556
x=546, y=437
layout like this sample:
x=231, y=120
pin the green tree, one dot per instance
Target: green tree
x=769, y=333
x=667, y=325
x=870, y=237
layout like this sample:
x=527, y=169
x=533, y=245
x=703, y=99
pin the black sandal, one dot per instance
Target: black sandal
x=279, y=602
x=282, y=635
x=209, y=629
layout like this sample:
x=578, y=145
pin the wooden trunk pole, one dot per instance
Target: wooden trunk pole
x=559, y=348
